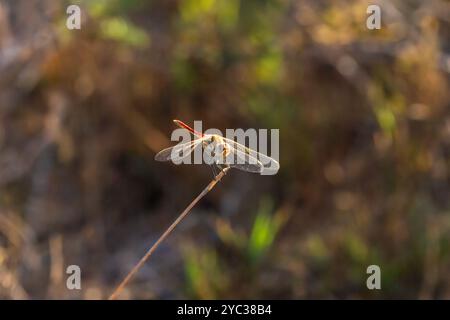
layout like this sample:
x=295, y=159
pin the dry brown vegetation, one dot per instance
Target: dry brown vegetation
x=364, y=119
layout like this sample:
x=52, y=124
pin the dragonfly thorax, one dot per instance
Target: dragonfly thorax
x=216, y=148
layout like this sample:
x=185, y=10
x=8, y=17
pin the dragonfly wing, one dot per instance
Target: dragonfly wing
x=178, y=152
x=266, y=161
x=243, y=161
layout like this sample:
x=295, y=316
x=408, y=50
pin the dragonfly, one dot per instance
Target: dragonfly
x=220, y=152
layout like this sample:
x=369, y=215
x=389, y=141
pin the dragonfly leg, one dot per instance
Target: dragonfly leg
x=214, y=171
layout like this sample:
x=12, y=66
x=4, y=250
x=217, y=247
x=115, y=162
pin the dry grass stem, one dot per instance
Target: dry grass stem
x=136, y=268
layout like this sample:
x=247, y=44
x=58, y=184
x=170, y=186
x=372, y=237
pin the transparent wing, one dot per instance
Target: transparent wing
x=178, y=152
x=267, y=162
x=243, y=161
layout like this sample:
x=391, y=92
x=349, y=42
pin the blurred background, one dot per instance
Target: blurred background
x=364, y=119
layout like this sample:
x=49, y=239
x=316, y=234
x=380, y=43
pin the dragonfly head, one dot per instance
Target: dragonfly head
x=214, y=138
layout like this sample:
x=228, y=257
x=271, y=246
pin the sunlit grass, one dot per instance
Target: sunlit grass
x=123, y=31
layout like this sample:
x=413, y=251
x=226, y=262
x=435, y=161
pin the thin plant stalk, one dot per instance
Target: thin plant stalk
x=186, y=211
